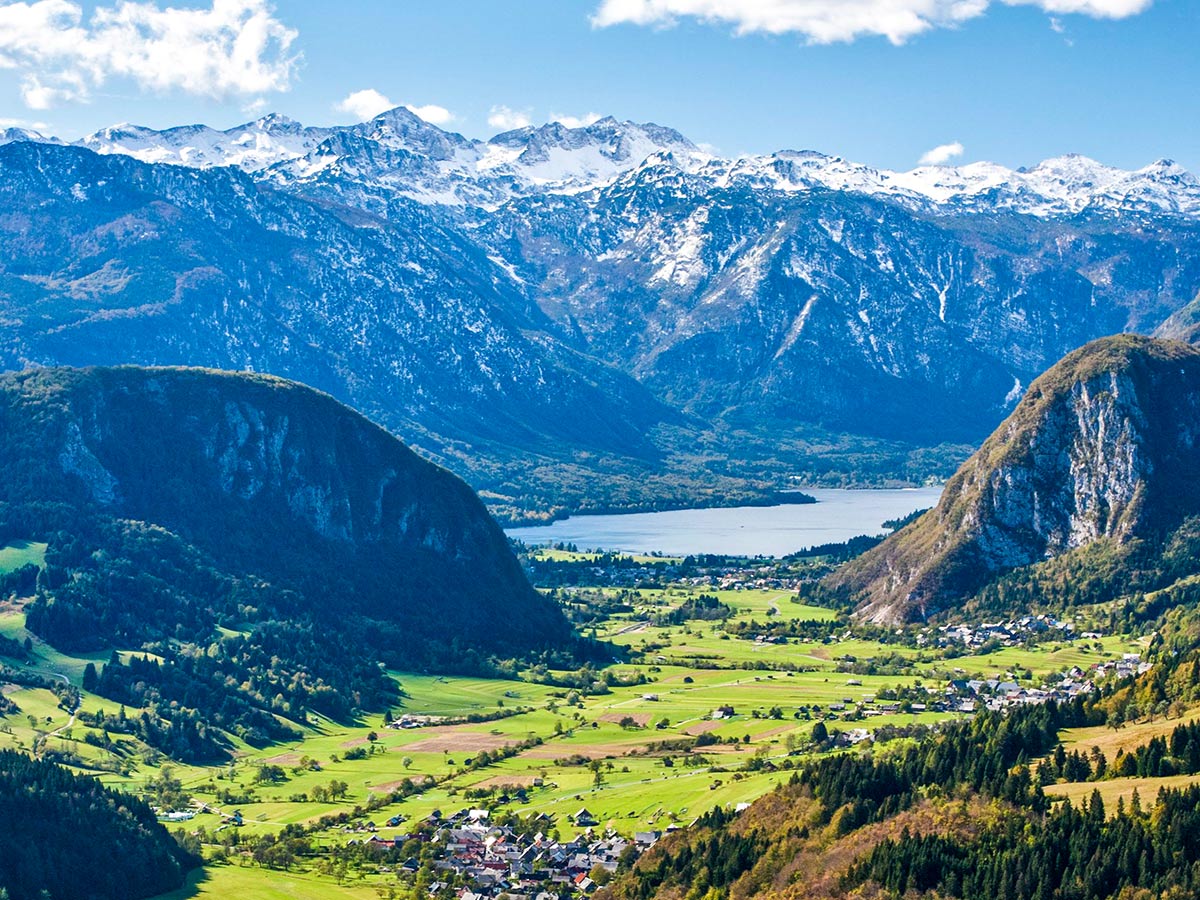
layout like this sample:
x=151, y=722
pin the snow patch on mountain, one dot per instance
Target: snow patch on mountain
x=251, y=147
x=398, y=155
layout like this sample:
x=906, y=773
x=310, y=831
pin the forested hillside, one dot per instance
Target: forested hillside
x=250, y=532
x=64, y=836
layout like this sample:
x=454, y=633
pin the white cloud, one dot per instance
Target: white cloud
x=365, y=104
x=576, y=121
x=830, y=21
x=232, y=47
x=507, y=119
x=23, y=123
x=368, y=103
x=434, y=114
x=1099, y=9
x=941, y=154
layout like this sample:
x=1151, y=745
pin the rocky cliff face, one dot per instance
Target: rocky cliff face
x=110, y=261
x=273, y=479
x=1103, y=446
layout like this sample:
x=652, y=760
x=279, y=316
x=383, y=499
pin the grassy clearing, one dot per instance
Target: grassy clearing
x=46, y=660
x=1120, y=789
x=1125, y=738
x=21, y=553
x=247, y=883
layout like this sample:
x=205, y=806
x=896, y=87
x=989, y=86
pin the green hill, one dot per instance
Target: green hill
x=252, y=531
x=64, y=835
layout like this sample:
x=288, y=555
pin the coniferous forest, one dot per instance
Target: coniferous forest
x=66, y=836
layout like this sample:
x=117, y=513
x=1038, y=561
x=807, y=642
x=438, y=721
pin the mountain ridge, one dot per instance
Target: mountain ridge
x=1060, y=186
x=561, y=320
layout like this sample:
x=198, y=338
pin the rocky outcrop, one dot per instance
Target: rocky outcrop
x=1106, y=445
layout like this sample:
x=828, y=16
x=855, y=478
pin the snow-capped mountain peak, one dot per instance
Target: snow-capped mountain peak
x=252, y=146
x=13, y=134
x=398, y=154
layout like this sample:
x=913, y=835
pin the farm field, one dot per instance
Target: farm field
x=701, y=712
x=545, y=739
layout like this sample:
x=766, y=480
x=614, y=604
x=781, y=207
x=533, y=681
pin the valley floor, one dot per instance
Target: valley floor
x=706, y=713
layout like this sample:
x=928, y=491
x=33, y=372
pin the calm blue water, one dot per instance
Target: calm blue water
x=745, y=530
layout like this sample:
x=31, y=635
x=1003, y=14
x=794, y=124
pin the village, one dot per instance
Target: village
x=476, y=858
x=1006, y=634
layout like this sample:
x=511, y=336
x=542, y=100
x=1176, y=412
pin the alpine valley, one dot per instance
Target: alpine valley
x=267, y=395
x=592, y=318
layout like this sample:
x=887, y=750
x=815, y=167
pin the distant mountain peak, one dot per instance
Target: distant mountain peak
x=440, y=167
x=14, y=134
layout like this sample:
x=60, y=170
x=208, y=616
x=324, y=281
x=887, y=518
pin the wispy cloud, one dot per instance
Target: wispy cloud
x=941, y=154
x=368, y=103
x=233, y=47
x=365, y=104
x=434, y=114
x=506, y=119
x=1097, y=9
x=831, y=21
x=23, y=123
x=576, y=121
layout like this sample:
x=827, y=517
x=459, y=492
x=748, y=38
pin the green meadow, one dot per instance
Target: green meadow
x=21, y=553
x=643, y=752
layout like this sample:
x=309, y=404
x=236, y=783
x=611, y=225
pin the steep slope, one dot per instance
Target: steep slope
x=831, y=307
x=274, y=552
x=1104, y=447
x=1182, y=325
x=271, y=478
x=108, y=261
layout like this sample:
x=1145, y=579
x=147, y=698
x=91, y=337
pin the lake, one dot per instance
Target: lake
x=838, y=515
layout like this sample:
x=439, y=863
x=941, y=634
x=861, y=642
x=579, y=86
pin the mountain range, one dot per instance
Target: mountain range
x=604, y=316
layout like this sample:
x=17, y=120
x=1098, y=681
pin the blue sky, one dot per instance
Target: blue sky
x=1013, y=81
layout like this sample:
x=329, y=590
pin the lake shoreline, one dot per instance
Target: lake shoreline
x=774, y=530
x=789, y=497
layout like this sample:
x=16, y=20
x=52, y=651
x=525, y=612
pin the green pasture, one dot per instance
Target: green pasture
x=222, y=882
x=21, y=553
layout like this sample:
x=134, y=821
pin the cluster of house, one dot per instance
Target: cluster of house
x=975, y=695
x=754, y=580
x=996, y=694
x=1129, y=665
x=407, y=721
x=1008, y=634
x=494, y=860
